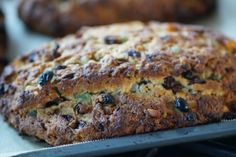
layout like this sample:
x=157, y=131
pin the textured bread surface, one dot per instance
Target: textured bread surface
x=57, y=17
x=121, y=79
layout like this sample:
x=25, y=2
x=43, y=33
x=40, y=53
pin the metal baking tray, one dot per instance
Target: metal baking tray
x=137, y=142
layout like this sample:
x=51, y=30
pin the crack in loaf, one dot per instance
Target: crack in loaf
x=120, y=79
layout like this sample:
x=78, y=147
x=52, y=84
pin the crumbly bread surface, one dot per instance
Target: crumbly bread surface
x=58, y=18
x=121, y=79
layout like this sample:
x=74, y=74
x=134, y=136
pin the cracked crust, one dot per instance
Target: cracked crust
x=121, y=79
x=58, y=18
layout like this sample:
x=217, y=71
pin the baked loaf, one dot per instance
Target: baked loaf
x=121, y=79
x=58, y=18
x=2, y=41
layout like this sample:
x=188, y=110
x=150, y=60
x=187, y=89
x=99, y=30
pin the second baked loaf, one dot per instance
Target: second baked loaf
x=57, y=17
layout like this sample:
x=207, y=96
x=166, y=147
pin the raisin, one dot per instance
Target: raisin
x=191, y=117
x=67, y=117
x=79, y=108
x=101, y=127
x=113, y=40
x=45, y=77
x=193, y=78
x=33, y=57
x=106, y=99
x=149, y=57
x=229, y=69
x=60, y=67
x=133, y=53
x=143, y=82
x=69, y=76
x=25, y=96
x=188, y=75
x=171, y=83
x=54, y=102
x=2, y=89
x=55, y=52
x=81, y=124
x=181, y=104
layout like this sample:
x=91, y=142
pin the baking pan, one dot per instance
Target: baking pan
x=137, y=142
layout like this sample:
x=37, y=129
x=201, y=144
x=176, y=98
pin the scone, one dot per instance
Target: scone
x=2, y=41
x=121, y=79
x=58, y=18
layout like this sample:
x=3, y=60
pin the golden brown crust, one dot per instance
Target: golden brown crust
x=58, y=18
x=119, y=80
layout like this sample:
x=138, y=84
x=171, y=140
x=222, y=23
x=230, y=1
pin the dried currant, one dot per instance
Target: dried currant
x=101, y=127
x=69, y=76
x=181, y=104
x=106, y=98
x=193, y=78
x=191, y=117
x=113, y=40
x=171, y=83
x=54, y=102
x=2, y=89
x=133, y=53
x=188, y=75
x=80, y=108
x=45, y=78
x=67, y=117
x=81, y=124
x=60, y=67
x=33, y=57
x=55, y=52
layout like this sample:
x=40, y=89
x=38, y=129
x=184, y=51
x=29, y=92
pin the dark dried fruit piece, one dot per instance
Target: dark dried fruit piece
x=45, y=78
x=229, y=69
x=2, y=89
x=55, y=52
x=191, y=117
x=54, y=102
x=188, y=75
x=80, y=108
x=133, y=53
x=81, y=124
x=106, y=98
x=69, y=76
x=101, y=127
x=60, y=67
x=113, y=40
x=192, y=77
x=33, y=57
x=67, y=117
x=181, y=104
x=171, y=83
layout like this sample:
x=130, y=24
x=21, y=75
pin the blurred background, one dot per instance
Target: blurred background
x=21, y=40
